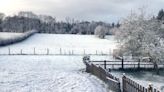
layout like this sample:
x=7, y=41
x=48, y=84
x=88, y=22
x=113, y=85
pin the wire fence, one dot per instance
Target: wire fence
x=56, y=51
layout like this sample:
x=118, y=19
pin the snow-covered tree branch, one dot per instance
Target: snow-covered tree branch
x=139, y=36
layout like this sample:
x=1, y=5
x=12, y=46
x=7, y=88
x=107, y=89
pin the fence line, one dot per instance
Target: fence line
x=128, y=85
x=127, y=64
x=47, y=51
x=131, y=86
x=112, y=82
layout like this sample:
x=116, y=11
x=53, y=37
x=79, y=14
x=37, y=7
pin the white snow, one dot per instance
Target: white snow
x=51, y=73
x=58, y=73
x=9, y=35
x=46, y=74
x=67, y=43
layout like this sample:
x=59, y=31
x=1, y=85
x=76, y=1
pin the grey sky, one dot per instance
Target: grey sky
x=99, y=10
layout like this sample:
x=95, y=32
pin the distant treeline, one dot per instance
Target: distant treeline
x=11, y=40
x=25, y=21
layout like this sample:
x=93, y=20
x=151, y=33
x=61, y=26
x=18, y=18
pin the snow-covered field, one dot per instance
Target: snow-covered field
x=59, y=73
x=67, y=44
x=46, y=74
x=51, y=73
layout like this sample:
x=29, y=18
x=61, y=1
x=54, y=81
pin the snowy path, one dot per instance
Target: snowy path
x=46, y=74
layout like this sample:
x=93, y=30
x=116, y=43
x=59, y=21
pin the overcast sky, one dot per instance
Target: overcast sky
x=99, y=10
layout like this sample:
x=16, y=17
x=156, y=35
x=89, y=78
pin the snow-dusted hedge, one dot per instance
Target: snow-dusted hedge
x=16, y=39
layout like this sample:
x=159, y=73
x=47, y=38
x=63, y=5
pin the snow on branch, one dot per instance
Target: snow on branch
x=139, y=36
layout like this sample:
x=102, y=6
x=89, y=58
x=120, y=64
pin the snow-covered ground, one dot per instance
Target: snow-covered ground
x=8, y=35
x=59, y=73
x=46, y=74
x=67, y=44
x=51, y=73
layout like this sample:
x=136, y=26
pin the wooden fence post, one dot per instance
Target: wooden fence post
x=34, y=51
x=96, y=52
x=47, y=51
x=122, y=63
x=21, y=52
x=124, y=83
x=84, y=51
x=104, y=64
x=60, y=51
x=150, y=88
x=139, y=64
x=9, y=50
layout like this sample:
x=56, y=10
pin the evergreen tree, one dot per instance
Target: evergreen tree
x=160, y=15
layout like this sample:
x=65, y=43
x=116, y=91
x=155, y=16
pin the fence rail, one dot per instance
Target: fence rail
x=127, y=64
x=131, y=86
x=112, y=82
x=128, y=85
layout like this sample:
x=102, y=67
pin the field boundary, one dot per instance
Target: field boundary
x=17, y=39
x=112, y=82
x=128, y=64
x=51, y=51
x=131, y=86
